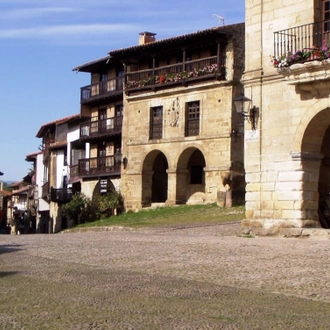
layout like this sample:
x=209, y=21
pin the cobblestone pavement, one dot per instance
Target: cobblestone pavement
x=171, y=278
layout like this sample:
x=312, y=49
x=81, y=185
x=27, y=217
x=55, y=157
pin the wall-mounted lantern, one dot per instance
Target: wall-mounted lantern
x=119, y=160
x=243, y=108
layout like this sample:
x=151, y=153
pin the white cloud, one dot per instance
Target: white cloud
x=28, y=13
x=62, y=30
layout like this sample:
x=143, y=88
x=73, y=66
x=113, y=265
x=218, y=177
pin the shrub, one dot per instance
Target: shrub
x=75, y=207
x=110, y=204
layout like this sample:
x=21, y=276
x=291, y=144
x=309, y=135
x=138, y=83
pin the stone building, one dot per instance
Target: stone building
x=182, y=140
x=97, y=155
x=287, y=79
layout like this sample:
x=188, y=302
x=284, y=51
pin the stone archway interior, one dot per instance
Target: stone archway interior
x=191, y=177
x=154, y=178
x=159, y=179
x=315, y=157
x=324, y=182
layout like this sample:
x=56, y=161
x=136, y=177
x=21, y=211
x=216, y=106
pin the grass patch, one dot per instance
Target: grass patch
x=175, y=215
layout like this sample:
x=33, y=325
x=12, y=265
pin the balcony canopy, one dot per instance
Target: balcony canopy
x=100, y=65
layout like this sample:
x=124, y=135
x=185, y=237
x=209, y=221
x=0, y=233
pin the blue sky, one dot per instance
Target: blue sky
x=41, y=41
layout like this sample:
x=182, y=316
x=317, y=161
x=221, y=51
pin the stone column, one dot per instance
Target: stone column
x=146, y=187
x=171, y=190
x=181, y=186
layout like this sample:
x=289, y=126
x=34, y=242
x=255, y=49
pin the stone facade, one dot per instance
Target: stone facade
x=286, y=158
x=169, y=165
x=91, y=188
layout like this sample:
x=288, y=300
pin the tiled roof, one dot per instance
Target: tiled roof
x=58, y=144
x=56, y=122
x=15, y=184
x=32, y=156
x=99, y=60
x=5, y=192
x=20, y=191
x=225, y=30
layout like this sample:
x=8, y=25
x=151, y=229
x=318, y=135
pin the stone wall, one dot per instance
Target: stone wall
x=283, y=156
x=215, y=140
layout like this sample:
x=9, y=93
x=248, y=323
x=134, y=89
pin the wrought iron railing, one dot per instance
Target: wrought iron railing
x=102, y=88
x=60, y=195
x=93, y=128
x=178, y=72
x=98, y=165
x=300, y=38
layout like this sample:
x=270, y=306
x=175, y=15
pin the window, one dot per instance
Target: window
x=65, y=157
x=156, y=123
x=120, y=80
x=101, y=155
x=103, y=83
x=102, y=120
x=119, y=110
x=192, y=118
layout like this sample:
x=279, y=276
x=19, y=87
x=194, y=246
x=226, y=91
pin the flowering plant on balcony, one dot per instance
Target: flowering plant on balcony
x=173, y=77
x=301, y=56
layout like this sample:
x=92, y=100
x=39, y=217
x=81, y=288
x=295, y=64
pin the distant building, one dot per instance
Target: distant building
x=53, y=172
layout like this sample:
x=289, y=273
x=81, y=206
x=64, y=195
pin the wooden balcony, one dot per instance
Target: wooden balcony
x=45, y=191
x=74, y=174
x=176, y=74
x=102, y=127
x=47, y=142
x=60, y=195
x=102, y=89
x=98, y=166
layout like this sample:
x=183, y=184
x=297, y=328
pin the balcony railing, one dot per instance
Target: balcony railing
x=177, y=73
x=108, y=126
x=74, y=174
x=302, y=43
x=94, y=91
x=45, y=190
x=98, y=166
x=60, y=195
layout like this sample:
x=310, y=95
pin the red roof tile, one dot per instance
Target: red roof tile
x=43, y=128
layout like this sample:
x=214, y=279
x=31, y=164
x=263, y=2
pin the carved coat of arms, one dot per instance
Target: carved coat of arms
x=173, y=113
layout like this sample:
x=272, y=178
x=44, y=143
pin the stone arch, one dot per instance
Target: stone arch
x=314, y=156
x=154, y=178
x=103, y=186
x=190, y=185
x=308, y=127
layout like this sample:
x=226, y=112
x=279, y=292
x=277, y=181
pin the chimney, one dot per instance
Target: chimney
x=146, y=38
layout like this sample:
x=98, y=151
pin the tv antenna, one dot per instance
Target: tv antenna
x=220, y=18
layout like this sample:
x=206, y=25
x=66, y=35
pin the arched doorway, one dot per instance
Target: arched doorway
x=324, y=182
x=102, y=187
x=154, y=178
x=315, y=159
x=190, y=176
